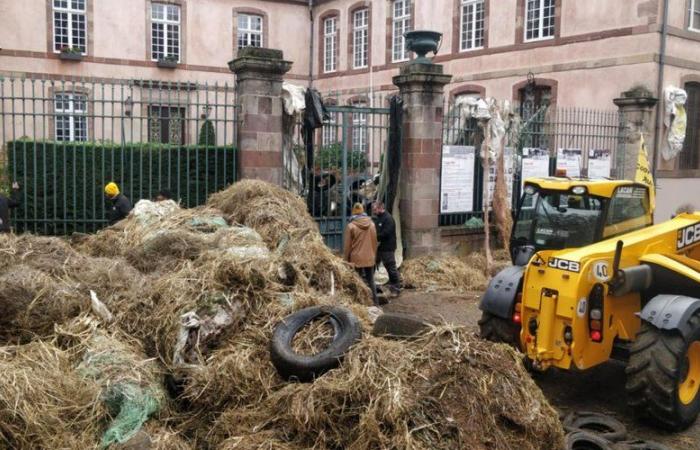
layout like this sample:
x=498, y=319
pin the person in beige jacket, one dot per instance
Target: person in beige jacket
x=360, y=248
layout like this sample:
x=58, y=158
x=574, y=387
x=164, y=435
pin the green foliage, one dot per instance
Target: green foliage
x=207, y=134
x=331, y=157
x=62, y=182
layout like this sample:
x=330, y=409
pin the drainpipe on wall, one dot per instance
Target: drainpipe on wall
x=660, y=89
x=311, y=44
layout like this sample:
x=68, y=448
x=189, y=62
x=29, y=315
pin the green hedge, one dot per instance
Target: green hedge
x=62, y=182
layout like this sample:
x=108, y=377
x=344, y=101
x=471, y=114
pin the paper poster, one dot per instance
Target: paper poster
x=457, y=180
x=535, y=164
x=569, y=159
x=599, y=163
x=508, y=165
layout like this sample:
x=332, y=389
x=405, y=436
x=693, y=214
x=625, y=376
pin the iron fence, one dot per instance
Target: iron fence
x=584, y=141
x=62, y=140
x=346, y=156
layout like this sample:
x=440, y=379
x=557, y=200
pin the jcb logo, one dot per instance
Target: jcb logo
x=563, y=264
x=688, y=236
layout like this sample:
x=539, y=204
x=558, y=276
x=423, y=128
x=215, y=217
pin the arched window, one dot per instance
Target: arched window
x=690, y=156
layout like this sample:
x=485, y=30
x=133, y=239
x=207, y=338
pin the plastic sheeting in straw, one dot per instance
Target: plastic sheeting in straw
x=147, y=211
x=675, y=120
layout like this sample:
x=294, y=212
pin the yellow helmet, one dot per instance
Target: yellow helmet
x=112, y=190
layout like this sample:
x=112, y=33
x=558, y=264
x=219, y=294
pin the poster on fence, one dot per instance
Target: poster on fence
x=508, y=164
x=599, y=163
x=457, y=180
x=569, y=159
x=535, y=164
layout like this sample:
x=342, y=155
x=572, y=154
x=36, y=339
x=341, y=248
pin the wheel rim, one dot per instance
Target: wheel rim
x=690, y=384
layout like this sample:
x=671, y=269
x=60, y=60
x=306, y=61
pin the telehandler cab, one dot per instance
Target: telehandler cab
x=593, y=279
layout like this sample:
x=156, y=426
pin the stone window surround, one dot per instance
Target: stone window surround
x=676, y=172
x=390, y=31
x=548, y=82
x=73, y=89
x=321, y=42
x=467, y=89
x=689, y=9
x=89, y=14
x=364, y=4
x=265, y=26
x=183, y=27
x=457, y=28
x=520, y=26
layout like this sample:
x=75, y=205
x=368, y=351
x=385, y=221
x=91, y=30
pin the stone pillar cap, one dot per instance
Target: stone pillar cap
x=262, y=60
x=422, y=73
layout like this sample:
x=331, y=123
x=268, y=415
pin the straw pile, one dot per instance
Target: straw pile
x=199, y=311
x=451, y=272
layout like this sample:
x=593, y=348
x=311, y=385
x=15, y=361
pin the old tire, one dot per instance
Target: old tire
x=640, y=445
x=497, y=329
x=663, y=375
x=583, y=440
x=397, y=325
x=293, y=366
x=604, y=426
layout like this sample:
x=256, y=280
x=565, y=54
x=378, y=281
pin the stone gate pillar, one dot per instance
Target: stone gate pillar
x=637, y=108
x=259, y=75
x=422, y=90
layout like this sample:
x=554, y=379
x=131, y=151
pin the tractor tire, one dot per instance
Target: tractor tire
x=496, y=329
x=663, y=375
x=604, y=426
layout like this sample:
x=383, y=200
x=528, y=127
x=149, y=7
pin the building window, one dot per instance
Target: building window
x=71, y=117
x=330, y=130
x=165, y=32
x=69, y=25
x=330, y=44
x=472, y=27
x=166, y=124
x=694, y=17
x=402, y=24
x=359, y=129
x=360, y=20
x=690, y=156
x=539, y=20
x=250, y=30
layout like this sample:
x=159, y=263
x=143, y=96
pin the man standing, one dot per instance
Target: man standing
x=118, y=206
x=5, y=205
x=386, y=234
x=360, y=247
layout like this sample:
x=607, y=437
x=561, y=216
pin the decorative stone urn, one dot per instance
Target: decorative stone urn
x=421, y=42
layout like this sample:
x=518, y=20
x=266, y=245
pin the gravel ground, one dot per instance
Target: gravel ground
x=601, y=389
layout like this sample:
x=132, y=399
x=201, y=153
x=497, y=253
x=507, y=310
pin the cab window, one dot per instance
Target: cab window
x=629, y=211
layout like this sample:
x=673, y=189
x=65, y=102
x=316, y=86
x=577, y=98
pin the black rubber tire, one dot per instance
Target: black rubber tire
x=640, y=445
x=653, y=373
x=398, y=325
x=583, y=440
x=293, y=366
x=496, y=329
x=604, y=426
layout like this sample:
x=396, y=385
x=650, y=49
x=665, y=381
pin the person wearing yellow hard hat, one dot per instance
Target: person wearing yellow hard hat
x=118, y=205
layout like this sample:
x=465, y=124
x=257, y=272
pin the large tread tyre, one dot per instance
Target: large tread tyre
x=293, y=366
x=658, y=375
x=496, y=329
x=604, y=426
x=583, y=440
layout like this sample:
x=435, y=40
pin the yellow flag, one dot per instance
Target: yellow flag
x=644, y=175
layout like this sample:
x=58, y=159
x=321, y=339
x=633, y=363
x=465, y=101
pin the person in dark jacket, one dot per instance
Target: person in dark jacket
x=386, y=235
x=5, y=205
x=118, y=205
x=360, y=246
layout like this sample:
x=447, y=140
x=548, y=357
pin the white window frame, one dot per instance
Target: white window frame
x=469, y=43
x=169, y=26
x=360, y=131
x=539, y=21
x=330, y=130
x=694, y=9
x=73, y=113
x=360, y=39
x=330, y=44
x=71, y=13
x=401, y=10
x=247, y=32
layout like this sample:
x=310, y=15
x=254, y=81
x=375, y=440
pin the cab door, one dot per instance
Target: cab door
x=628, y=210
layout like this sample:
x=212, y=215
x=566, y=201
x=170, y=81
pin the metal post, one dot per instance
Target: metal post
x=344, y=208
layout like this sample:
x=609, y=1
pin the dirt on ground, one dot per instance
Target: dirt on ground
x=601, y=389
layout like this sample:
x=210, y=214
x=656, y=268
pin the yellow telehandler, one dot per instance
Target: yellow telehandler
x=593, y=279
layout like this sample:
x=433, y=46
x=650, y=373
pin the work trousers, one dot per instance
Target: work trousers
x=389, y=261
x=367, y=274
